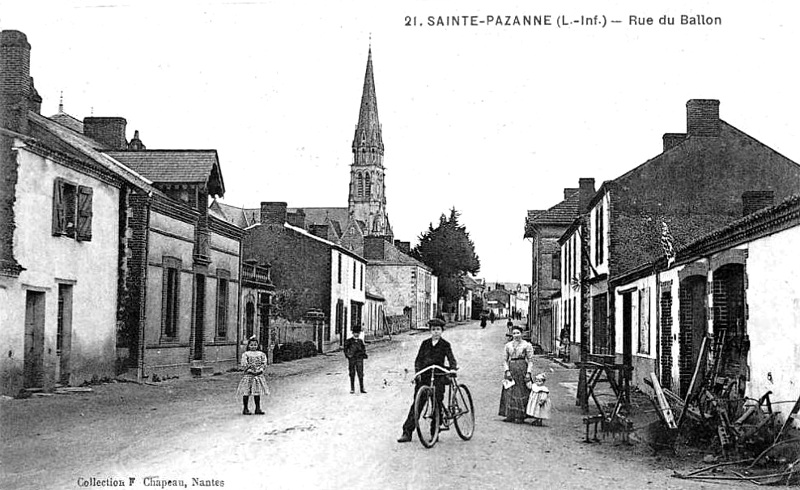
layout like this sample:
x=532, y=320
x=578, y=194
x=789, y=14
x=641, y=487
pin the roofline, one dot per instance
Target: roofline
x=331, y=244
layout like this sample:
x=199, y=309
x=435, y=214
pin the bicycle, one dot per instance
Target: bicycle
x=457, y=408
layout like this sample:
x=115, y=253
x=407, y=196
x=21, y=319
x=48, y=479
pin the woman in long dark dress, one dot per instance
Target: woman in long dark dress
x=518, y=364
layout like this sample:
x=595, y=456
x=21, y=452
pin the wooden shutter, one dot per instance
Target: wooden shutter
x=84, y=231
x=58, y=207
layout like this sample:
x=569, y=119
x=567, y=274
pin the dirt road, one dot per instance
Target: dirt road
x=315, y=434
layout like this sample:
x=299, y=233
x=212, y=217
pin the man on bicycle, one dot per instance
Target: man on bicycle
x=432, y=351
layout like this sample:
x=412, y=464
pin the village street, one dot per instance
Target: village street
x=315, y=434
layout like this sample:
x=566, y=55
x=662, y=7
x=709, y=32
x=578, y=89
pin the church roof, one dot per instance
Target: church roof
x=368, y=130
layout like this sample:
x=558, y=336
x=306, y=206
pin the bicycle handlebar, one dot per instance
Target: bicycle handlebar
x=440, y=368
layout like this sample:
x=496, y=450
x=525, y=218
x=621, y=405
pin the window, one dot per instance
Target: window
x=555, y=260
x=368, y=185
x=362, y=278
x=223, y=278
x=354, y=274
x=339, y=269
x=360, y=185
x=644, y=321
x=599, y=234
x=170, y=295
x=72, y=210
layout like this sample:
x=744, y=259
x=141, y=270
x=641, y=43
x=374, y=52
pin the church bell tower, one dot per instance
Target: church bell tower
x=367, y=200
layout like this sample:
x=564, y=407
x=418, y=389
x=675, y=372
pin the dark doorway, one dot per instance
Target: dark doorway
x=600, y=337
x=249, y=319
x=199, y=316
x=693, y=327
x=730, y=337
x=33, y=363
x=64, y=332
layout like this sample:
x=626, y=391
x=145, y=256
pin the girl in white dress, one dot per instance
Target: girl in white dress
x=253, y=380
x=539, y=402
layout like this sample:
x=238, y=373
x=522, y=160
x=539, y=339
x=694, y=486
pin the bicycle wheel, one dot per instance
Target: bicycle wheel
x=426, y=417
x=463, y=412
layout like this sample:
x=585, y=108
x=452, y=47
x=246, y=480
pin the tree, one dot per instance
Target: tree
x=448, y=250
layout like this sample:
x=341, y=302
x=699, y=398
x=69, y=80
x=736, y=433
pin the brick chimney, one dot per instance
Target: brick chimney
x=273, y=213
x=16, y=84
x=109, y=131
x=404, y=247
x=671, y=140
x=752, y=201
x=702, y=117
x=17, y=97
x=298, y=219
x=569, y=191
x=587, y=192
x=374, y=248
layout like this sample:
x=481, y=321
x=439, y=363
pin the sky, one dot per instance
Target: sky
x=490, y=119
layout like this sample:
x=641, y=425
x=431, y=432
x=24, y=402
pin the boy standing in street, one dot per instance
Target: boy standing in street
x=355, y=351
x=432, y=351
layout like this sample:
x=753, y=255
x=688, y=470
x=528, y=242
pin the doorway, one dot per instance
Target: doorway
x=199, y=316
x=64, y=332
x=693, y=327
x=33, y=362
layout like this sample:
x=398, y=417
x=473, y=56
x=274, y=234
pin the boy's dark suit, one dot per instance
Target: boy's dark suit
x=355, y=351
x=429, y=355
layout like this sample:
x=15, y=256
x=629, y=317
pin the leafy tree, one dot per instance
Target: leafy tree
x=291, y=304
x=448, y=250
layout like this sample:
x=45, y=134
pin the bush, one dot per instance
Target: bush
x=293, y=350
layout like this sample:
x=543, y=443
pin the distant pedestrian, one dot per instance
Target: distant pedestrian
x=539, y=402
x=253, y=382
x=483, y=320
x=491, y=317
x=518, y=364
x=355, y=351
x=509, y=325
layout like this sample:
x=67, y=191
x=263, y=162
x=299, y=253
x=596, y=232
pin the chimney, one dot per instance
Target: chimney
x=671, y=140
x=404, y=247
x=586, y=189
x=752, y=201
x=374, y=248
x=109, y=131
x=702, y=117
x=273, y=213
x=569, y=191
x=298, y=219
x=16, y=85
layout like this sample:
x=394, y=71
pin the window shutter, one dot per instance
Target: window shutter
x=58, y=207
x=84, y=232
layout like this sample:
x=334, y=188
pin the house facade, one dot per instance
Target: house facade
x=736, y=288
x=694, y=186
x=409, y=286
x=312, y=273
x=59, y=240
x=544, y=228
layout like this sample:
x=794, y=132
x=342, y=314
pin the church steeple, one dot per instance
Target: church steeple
x=368, y=130
x=367, y=200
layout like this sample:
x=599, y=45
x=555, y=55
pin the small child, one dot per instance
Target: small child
x=539, y=401
x=253, y=380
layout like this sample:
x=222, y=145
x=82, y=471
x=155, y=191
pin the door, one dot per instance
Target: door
x=64, y=332
x=33, y=363
x=627, y=329
x=199, y=316
x=692, y=326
